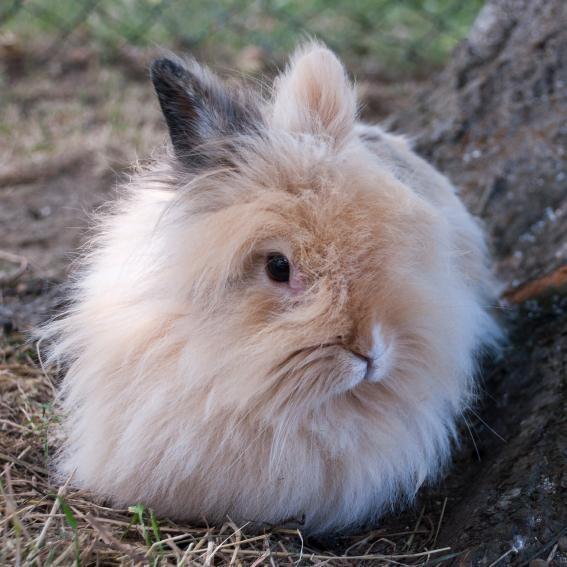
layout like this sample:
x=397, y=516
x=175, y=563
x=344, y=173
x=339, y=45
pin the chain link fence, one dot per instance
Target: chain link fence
x=396, y=36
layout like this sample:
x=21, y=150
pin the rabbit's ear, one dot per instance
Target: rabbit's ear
x=314, y=95
x=197, y=107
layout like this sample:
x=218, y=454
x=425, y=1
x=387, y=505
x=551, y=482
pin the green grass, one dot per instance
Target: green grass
x=404, y=35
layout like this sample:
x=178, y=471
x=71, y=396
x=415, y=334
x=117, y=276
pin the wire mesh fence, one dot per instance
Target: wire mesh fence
x=399, y=35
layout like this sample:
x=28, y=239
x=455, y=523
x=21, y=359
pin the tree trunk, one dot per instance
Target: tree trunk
x=496, y=122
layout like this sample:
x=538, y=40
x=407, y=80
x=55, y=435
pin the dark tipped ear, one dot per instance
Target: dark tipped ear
x=198, y=107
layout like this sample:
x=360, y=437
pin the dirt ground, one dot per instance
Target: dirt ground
x=71, y=130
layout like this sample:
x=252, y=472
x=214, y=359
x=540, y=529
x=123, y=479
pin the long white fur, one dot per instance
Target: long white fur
x=176, y=392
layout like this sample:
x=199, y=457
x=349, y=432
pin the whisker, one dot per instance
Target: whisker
x=488, y=426
x=472, y=437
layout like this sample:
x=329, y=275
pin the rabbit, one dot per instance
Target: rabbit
x=278, y=321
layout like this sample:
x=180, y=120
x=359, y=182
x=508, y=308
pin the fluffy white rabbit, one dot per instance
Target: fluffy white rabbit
x=278, y=321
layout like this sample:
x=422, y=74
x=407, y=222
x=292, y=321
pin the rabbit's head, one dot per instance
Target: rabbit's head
x=308, y=270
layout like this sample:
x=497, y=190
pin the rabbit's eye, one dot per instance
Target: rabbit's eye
x=277, y=267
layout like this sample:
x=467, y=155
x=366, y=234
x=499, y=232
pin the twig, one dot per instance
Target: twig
x=503, y=556
x=440, y=522
x=109, y=539
x=210, y=553
x=236, y=546
x=166, y=541
x=193, y=549
x=16, y=426
x=411, y=537
x=64, y=555
x=377, y=556
x=537, y=287
x=552, y=554
x=60, y=493
x=260, y=559
x=31, y=467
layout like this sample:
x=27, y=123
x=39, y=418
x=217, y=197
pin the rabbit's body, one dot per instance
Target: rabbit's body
x=202, y=388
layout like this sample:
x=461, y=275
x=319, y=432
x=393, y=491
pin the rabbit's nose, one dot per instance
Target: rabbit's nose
x=367, y=360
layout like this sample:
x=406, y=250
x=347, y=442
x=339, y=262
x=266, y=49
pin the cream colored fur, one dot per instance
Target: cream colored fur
x=199, y=387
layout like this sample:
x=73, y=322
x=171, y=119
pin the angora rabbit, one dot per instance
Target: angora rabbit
x=278, y=322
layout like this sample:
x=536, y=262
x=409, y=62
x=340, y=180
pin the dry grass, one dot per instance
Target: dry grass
x=46, y=524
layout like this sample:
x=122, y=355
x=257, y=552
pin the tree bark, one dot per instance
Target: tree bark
x=496, y=122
